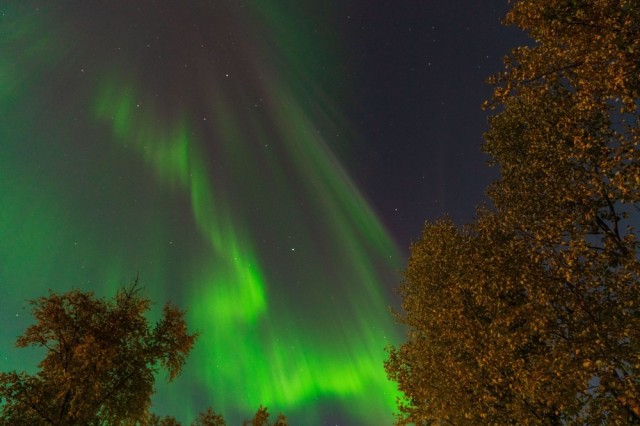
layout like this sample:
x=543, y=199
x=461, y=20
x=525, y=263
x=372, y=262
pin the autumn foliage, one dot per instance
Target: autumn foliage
x=101, y=359
x=101, y=356
x=531, y=314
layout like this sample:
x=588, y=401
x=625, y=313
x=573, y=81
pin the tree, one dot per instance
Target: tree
x=261, y=418
x=474, y=330
x=210, y=418
x=530, y=315
x=100, y=361
x=155, y=420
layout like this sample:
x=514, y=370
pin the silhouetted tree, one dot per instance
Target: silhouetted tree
x=155, y=420
x=209, y=418
x=101, y=356
x=261, y=418
x=531, y=314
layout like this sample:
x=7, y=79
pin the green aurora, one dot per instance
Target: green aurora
x=220, y=186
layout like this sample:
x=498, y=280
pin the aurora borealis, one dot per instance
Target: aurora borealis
x=262, y=164
x=196, y=158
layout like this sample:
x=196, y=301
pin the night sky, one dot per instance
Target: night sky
x=263, y=164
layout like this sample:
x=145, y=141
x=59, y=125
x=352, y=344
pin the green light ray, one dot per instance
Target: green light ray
x=296, y=330
x=230, y=299
x=174, y=160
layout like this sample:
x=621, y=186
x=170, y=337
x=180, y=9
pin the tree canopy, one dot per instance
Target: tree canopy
x=530, y=314
x=101, y=357
x=210, y=418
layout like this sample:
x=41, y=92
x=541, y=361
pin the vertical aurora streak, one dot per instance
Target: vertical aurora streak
x=218, y=187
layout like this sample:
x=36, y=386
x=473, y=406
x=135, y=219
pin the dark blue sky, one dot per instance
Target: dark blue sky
x=419, y=70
